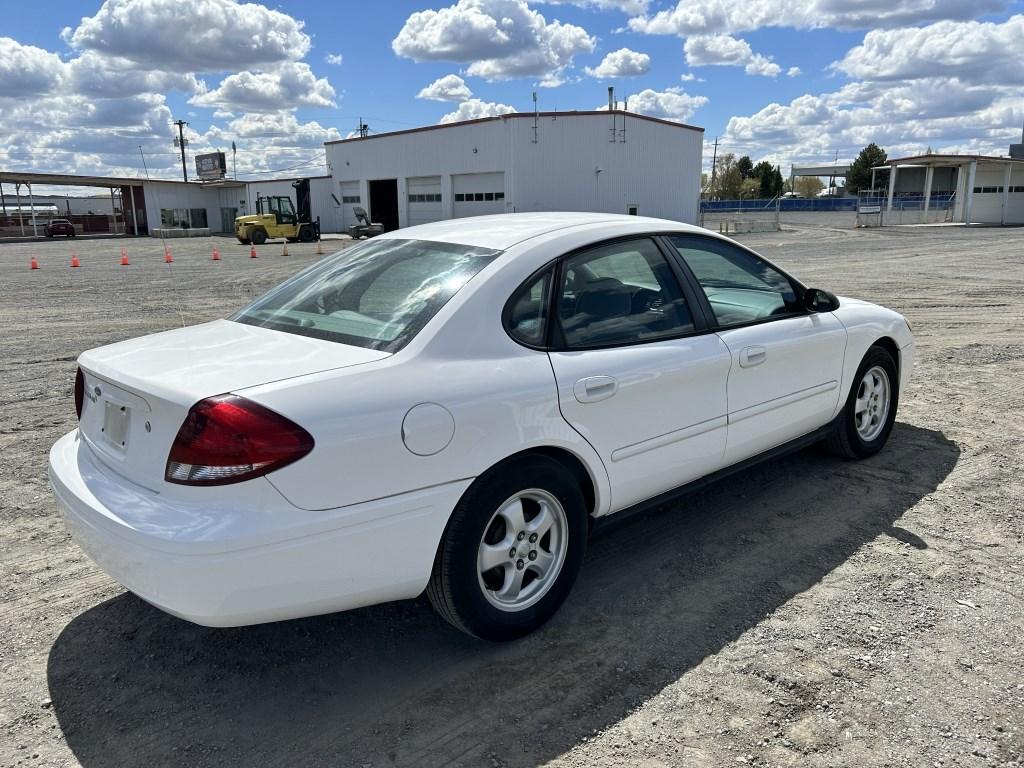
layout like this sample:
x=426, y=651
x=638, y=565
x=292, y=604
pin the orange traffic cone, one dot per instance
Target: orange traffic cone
x=215, y=256
x=34, y=264
x=74, y=261
x=124, y=253
x=284, y=252
x=168, y=259
x=124, y=258
x=319, y=247
x=252, y=253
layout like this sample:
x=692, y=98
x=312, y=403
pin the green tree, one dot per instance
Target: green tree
x=745, y=167
x=808, y=186
x=859, y=176
x=728, y=179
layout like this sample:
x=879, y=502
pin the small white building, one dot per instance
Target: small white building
x=983, y=189
x=604, y=161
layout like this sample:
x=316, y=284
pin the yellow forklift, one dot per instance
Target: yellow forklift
x=276, y=218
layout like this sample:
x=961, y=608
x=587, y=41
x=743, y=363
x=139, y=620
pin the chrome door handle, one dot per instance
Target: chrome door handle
x=595, y=388
x=751, y=356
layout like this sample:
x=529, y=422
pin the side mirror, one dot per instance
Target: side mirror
x=817, y=300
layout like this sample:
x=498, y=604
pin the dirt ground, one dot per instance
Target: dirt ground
x=809, y=612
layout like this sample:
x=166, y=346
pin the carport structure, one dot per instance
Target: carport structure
x=128, y=191
x=985, y=189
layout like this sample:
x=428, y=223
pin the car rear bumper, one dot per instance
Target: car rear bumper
x=223, y=570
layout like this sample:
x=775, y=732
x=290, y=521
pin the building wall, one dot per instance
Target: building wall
x=987, y=207
x=910, y=181
x=656, y=168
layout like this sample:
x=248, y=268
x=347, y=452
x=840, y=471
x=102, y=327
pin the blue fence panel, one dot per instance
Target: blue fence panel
x=786, y=204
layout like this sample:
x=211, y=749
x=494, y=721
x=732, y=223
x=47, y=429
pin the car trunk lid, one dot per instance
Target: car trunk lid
x=138, y=392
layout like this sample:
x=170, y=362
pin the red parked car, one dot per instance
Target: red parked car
x=59, y=227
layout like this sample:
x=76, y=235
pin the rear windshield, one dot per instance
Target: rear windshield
x=378, y=294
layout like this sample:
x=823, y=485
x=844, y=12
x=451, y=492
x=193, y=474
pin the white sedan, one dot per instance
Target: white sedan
x=448, y=408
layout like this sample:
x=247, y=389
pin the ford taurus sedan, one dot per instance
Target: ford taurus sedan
x=448, y=407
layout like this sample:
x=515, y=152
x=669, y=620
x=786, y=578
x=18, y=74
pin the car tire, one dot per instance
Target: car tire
x=864, y=425
x=259, y=237
x=549, y=546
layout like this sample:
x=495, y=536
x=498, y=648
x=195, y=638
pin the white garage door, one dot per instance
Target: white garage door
x=424, y=199
x=349, y=198
x=477, y=194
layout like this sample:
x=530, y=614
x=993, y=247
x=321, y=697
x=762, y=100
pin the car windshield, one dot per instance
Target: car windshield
x=376, y=295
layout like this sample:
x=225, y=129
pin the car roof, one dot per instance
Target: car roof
x=503, y=230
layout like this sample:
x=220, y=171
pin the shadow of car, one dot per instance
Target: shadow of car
x=391, y=684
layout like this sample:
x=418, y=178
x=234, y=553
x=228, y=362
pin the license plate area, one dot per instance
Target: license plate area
x=116, y=421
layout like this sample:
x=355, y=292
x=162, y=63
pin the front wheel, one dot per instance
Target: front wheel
x=512, y=550
x=258, y=237
x=870, y=410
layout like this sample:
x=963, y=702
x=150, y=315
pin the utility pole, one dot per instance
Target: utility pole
x=182, y=143
x=714, y=163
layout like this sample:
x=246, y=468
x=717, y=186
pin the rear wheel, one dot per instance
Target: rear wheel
x=258, y=237
x=512, y=550
x=870, y=410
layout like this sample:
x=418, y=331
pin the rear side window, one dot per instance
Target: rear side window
x=621, y=293
x=376, y=295
x=740, y=287
x=528, y=310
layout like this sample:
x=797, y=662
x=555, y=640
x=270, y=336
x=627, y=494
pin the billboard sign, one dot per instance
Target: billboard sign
x=211, y=166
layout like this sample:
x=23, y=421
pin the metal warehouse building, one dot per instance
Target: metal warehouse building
x=607, y=161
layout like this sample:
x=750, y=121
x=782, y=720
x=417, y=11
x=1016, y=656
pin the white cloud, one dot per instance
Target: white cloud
x=971, y=51
x=500, y=39
x=670, y=104
x=474, y=109
x=794, y=72
x=275, y=129
x=689, y=77
x=191, y=35
x=447, y=88
x=26, y=70
x=702, y=17
x=291, y=84
x=97, y=74
x=335, y=59
x=630, y=7
x=621, y=63
x=725, y=50
x=954, y=86
x=902, y=117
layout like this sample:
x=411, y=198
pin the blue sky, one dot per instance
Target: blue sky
x=84, y=84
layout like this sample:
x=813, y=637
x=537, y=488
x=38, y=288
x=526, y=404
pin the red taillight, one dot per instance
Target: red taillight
x=227, y=439
x=79, y=392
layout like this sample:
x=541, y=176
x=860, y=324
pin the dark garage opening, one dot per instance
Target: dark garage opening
x=384, y=202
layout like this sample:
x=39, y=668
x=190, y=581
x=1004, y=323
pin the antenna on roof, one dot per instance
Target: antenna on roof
x=535, y=116
x=611, y=108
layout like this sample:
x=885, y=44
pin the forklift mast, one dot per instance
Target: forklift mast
x=303, y=206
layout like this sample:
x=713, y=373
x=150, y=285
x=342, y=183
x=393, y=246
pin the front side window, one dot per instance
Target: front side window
x=621, y=293
x=376, y=295
x=741, y=287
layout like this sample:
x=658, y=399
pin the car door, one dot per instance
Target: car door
x=786, y=361
x=639, y=375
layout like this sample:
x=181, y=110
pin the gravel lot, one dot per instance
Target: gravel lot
x=808, y=612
